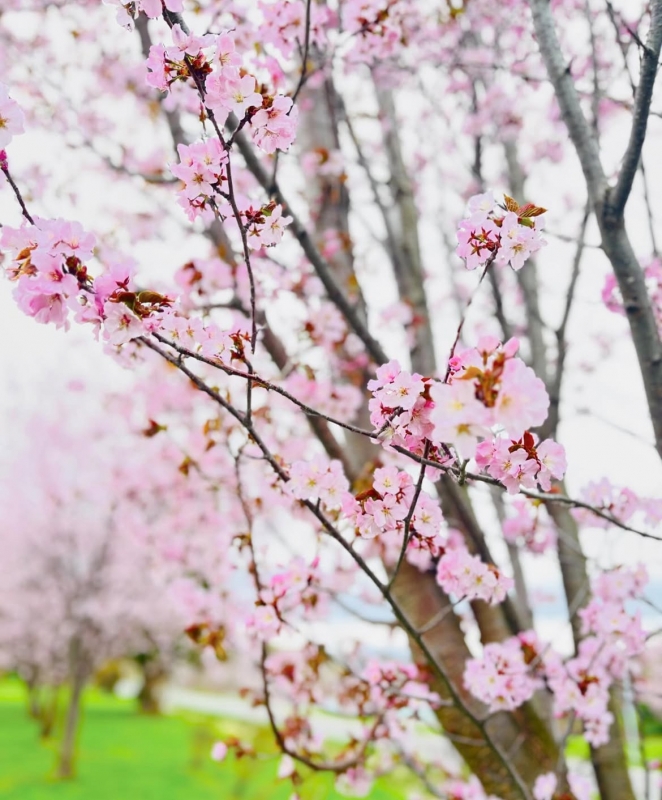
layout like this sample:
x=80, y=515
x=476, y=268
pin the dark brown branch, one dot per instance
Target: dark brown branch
x=409, y=517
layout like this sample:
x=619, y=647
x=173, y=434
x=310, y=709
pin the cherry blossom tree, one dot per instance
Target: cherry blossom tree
x=317, y=235
x=89, y=576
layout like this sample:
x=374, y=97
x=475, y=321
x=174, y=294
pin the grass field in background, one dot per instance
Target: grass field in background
x=123, y=755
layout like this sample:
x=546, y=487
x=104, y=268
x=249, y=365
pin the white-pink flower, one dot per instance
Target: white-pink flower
x=219, y=751
x=11, y=117
x=120, y=325
x=545, y=786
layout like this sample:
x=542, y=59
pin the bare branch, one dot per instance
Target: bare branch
x=318, y=263
x=650, y=56
x=566, y=93
x=4, y=168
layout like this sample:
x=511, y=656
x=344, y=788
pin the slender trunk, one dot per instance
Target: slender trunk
x=78, y=673
x=638, y=309
x=402, y=227
x=153, y=677
x=48, y=714
x=609, y=760
x=34, y=708
x=609, y=202
x=68, y=747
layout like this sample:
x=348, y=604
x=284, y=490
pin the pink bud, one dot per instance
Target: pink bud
x=219, y=751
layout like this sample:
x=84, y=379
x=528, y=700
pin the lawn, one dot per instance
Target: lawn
x=126, y=756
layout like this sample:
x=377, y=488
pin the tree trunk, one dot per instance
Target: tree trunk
x=48, y=714
x=609, y=760
x=34, y=708
x=510, y=745
x=153, y=677
x=68, y=748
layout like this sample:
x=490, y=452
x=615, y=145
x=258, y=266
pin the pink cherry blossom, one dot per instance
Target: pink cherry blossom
x=274, y=127
x=545, y=786
x=219, y=751
x=11, y=118
x=120, y=324
x=466, y=576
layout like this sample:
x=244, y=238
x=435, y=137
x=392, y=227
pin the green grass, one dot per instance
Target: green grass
x=126, y=756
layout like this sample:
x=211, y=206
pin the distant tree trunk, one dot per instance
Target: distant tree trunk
x=48, y=714
x=34, y=708
x=68, y=748
x=153, y=676
x=78, y=675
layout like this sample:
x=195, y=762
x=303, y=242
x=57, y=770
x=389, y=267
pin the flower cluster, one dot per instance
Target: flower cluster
x=202, y=171
x=400, y=406
x=340, y=401
x=264, y=622
x=525, y=462
x=213, y=65
x=127, y=12
x=378, y=28
x=488, y=387
x=505, y=234
x=284, y=25
x=385, y=505
x=545, y=786
x=621, y=503
x=395, y=685
x=264, y=225
x=205, y=338
x=47, y=262
x=529, y=527
x=488, y=390
x=502, y=678
x=294, y=588
x=613, y=637
x=274, y=125
x=508, y=673
x=229, y=90
x=354, y=782
x=325, y=326
x=467, y=577
x=318, y=479
x=469, y=789
x=185, y=58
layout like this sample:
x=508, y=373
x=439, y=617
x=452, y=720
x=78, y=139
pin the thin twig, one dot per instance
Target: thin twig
x=304, y=58
x=550, y=497
x=410, y=516
x=463, y=319
x=5, y=169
